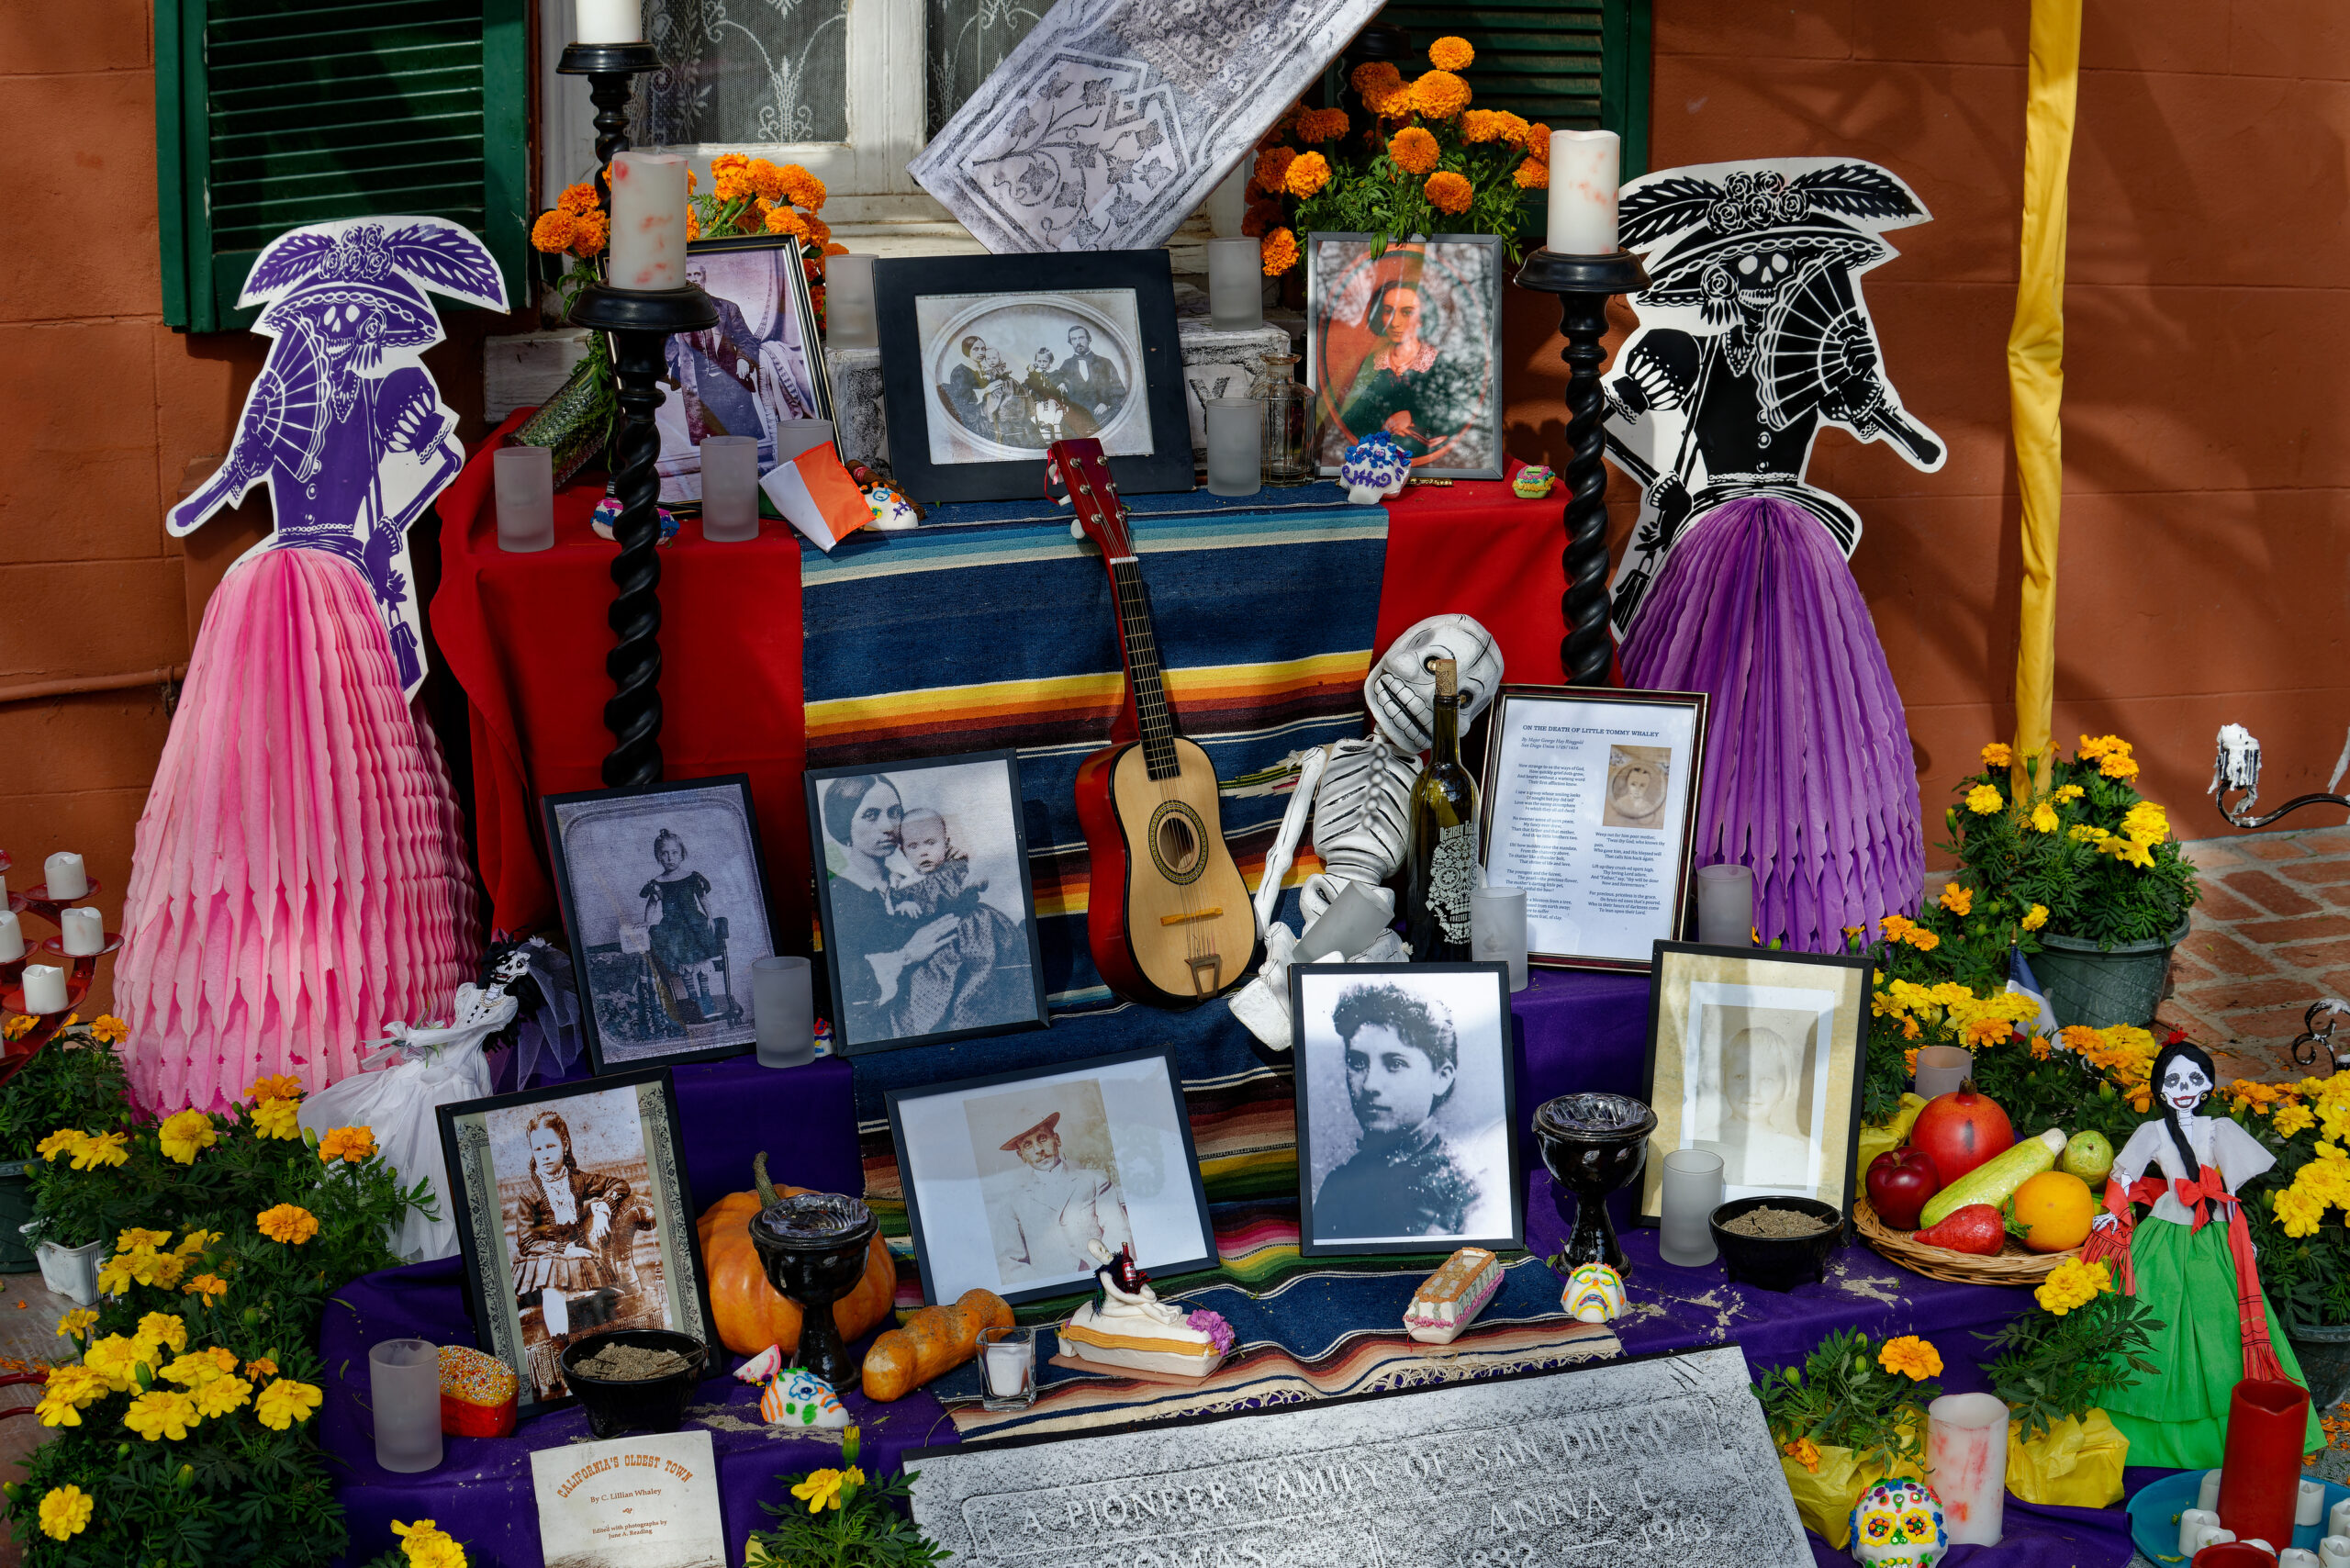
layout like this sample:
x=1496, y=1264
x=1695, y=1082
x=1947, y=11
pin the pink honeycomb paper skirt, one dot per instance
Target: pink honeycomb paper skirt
x=300, y=878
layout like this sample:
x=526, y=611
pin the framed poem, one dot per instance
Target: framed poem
x=1756, y=1056
x=1591, y=806
x=1408, y=340
x=664, y=896
x=988, y=360
x=928, y=914
x=573, y=1218
x=1007, y=1178
x=763, y=364
x=1406, y=1109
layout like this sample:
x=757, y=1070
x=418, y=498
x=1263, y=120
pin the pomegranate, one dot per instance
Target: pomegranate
x=1960, y=1130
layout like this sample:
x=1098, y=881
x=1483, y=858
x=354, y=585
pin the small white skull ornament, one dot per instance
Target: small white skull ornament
x=1899, y=1524
x=1595, y=1294
x=1400, y=691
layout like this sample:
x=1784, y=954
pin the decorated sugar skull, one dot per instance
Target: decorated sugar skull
x=1900, y=1523
x=1374, y=468
x=890, y=508
x=797, y=1398
x=1401, y=689
x=1532, y=482
x=1595, y=1294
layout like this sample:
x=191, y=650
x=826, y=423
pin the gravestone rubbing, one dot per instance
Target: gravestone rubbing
x=1637, y=1462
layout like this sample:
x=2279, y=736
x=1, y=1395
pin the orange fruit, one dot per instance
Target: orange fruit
x=2055, y=1208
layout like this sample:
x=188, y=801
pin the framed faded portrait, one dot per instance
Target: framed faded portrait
x=922, y=885
x=664, y=896
x=988, y=360
x=762, y=363
x=1408, y=340
x=573, y=1219
x=1406, y=1108
x=1012, y=1181
x=1756, y=1056
x=1590, y=803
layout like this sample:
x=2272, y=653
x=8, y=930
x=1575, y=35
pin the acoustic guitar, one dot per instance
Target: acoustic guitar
x=1170, y=922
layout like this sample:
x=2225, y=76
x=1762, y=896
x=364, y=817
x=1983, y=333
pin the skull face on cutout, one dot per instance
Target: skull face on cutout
x=1899, y=1524
x=1400, y=691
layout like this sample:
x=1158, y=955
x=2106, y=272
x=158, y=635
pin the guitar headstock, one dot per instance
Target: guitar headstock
x=1077, y=466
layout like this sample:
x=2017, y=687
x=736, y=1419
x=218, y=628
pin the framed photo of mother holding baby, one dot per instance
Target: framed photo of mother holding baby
x=930, y=922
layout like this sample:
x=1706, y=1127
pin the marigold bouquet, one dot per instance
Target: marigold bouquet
x=1426, y=163
x=2301, y=1224
x=2086, y=1343
x=1855, y=1392
x=839, y=1518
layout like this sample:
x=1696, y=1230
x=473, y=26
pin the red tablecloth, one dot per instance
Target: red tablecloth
x=525, y=635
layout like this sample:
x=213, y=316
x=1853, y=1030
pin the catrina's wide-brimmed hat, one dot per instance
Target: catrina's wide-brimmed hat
x=1677, y=278
x=408, y=319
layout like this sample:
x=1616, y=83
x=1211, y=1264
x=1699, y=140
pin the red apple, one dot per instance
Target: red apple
x=1960, y=1130
x=1899, y=1182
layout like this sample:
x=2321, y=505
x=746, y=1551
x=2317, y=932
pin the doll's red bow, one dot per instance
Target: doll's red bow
x=2200, y=1193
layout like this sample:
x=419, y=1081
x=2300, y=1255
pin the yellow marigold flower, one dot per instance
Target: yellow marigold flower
x=106, y=1149
x=195, y=1241
x=594, y=229
x=2072, y=1284
x=2129, y=851
x=278, y=1086
x=1440, y=94
x=56, y=1410
x=261, y=1367
x=72, y=1325
x=784, y=220
x=2293, y=1119
x=2067, y=793
x=1912, y=1357
x=274, y=1119
x=288, y=1223
x=350, y=1145
x=1533, y=176
x=115, y=1359
x=217, y=1396
x=17, y=1028
x=803, y=189
x=186, y=1135
x=2146, y=822
x=161, y=1413
x=1414, y=149
x=193, y=1370
x=1957, y=898
x=1996, y=755
x=2118, y=765
x=164, y=1328
x=284, y=1402
x=64, y=1140
x=1307, y=174
x=1804, y=1452
x=2043, y=818
x=1279, y=251
x=1982, y=800
x=552, y=232
x=1449, y=53
x=2035, y=917
x=1448, y=192
x=65, y=1512
x=426, y=1546
x=822, y=1490
x=132, y=1239
x=159, y=1270
x=110, y=1029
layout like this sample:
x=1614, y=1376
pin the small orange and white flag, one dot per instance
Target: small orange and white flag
x=816, y=496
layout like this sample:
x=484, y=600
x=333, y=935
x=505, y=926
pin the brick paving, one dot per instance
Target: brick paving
x=2270, y=935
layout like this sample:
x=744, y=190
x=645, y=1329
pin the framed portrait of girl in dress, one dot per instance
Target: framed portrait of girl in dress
x=1408, y=340
x=664, y=896
x=574, y=1219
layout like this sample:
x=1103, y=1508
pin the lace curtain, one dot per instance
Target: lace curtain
x=967, y=40
x=745, y=70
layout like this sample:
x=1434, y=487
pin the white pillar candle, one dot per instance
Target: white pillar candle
x=2260, y=1545
x=2191, y=1526
x=2338, y=1520
x=2206, y=1491
x=2334, y=1551
x=67, y=879
x=86, y=931
x=2211, y=1535
x=2308, y=1505
x=11, y=938
x=648, y=221
x=610, y=21
x=44, y=989
x=2295, y=1557
x=1584, y=173
x=1966, y=1463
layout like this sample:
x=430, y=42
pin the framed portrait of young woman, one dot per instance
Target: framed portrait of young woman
x=1408, y=340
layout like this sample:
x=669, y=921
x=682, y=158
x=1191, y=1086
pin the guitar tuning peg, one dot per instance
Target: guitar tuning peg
x=1076, y=530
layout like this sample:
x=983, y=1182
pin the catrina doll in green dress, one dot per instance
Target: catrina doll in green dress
x=2191, y=1261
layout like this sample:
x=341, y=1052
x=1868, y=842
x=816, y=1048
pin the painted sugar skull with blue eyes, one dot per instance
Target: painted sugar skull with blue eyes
x=1595, y=1294
x=797, y=1398
x=1900, y=1523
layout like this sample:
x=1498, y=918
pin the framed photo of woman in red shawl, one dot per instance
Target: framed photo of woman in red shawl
x=1408, y=340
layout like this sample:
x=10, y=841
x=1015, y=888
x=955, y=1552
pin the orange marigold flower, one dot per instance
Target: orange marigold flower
x=1262, y=217
x=1414, y=149
x=352, y=1145
x=261, y=1367
x=729, y=163
x=1448, y=192
x=731, y=184
x=804, y=189
x=1307, y=174
x=831, y=250
x=1451, y=53
x=1272, y=169
x=1486, y=125
x=1440, y=94
x=1321, y=125
x=552, y=230
x=784, y=220
x=1279, y=251
x=1375, y=76
x=593, y=230
x=693, y=224
x=1533, y=176
x=766, y=179
x=579, y=198
x=1535, y=140
x=820, y=233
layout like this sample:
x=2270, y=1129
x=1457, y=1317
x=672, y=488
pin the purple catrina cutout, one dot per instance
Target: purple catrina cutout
x=344, y=424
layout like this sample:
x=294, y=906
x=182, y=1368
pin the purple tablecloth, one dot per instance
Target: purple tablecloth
x=1577, y=1032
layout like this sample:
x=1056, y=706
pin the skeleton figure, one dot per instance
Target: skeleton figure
x=1359, y=794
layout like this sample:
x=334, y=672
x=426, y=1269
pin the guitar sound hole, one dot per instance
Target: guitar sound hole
x=1179, y=847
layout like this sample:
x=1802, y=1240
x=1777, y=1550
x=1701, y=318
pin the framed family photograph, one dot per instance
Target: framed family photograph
x=1408, y=340
x=1756, y=1056
x=1591, y=806
x=1009, y=1178
x=923, y=887
x=573, y=1218
x=985, y=367
x=762, y=363
x=1406, y=1108
x=664, y=896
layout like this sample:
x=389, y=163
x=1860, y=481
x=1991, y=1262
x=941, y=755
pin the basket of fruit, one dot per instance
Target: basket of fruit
x=1965, y=1201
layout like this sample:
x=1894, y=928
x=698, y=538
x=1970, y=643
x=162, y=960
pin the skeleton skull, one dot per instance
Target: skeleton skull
x=1595, y=1294
x=1900, y=1523
x=1401, y=689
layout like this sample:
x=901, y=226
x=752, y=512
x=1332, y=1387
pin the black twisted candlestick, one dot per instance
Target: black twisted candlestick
x=609, y=68
x=641, y=322
x=1584, y=285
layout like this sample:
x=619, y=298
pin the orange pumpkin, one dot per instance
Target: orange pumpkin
x=750, y=1313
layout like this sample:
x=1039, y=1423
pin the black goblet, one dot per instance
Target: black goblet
x=812, y=1246
x=1592, y=1145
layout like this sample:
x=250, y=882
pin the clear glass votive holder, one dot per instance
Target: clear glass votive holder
x=404, y=1380
x=1692, y=1192
x=1942, y=1069
x=1497, y=929
x=730, y=488
x=1008, y=1368
x=1236, y=285
x=1236, y=446
x=849, y=321
x=783, y=1011
x=1725, y=906
x=524, y=476
x=793, y=437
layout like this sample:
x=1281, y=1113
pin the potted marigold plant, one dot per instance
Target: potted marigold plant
x=73, y=1079
x=1854, y=1414
x=2055, y=1367
x=838, y=1518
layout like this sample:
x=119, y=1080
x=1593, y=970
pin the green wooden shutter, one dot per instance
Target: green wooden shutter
x=1571, y=64
x=270, y=114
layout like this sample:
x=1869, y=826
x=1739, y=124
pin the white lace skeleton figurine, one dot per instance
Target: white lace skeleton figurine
x=1359, y=794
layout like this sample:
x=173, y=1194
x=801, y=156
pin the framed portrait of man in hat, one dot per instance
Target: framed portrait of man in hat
x=1010, y=1180
x=1407, y=342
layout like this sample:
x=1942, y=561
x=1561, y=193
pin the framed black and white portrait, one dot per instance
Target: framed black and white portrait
x=1591, y=806
x=1408, y=340
x=1406, y=1108
x=1756, y=1056
x=664, y=899
x=762, y=363
x=573, y=1218
x=1009, y=1178
x=988, y=360
x=922, y=885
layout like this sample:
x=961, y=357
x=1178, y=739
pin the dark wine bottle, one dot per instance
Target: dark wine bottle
x=1444, y=838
